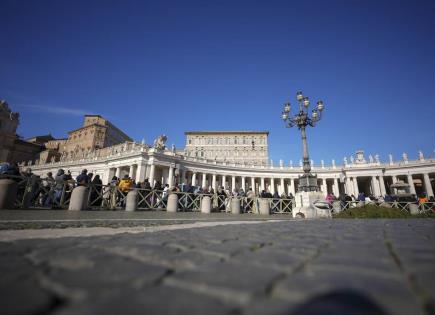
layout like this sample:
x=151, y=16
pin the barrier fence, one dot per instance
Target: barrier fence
x=36, y=193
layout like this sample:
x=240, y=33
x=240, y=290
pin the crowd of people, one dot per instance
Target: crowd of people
x=48, y=191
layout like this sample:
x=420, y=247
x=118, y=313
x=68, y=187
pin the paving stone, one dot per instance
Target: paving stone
x=157, y=300
x=20, y=291
x=270, y=306
x=275, y=259
x=277, y=268
x=95, y=274
x=229, y=281
x=392, y=293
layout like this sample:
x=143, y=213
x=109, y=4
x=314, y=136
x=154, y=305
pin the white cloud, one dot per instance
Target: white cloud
x=56, y=109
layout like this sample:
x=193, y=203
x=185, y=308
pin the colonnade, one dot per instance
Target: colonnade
x=170, y=168
x=351, y=184
x=376, y=185
x=287, y=184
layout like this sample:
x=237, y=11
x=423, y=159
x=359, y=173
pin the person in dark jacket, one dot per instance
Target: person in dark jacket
x=59, y=183
x=275, y=201
x=13, y=169
x=97, y=186
x=83, y=178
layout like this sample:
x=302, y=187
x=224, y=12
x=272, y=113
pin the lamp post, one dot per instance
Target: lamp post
x=308, y=181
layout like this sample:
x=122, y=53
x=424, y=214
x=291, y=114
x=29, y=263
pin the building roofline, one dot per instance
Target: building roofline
x=40, y=136
x=225, y=132
x=84, y=127
x=90, y=115
x=108, y=124
x=119, y=130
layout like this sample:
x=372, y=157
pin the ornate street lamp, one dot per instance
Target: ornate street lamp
x=308, y=181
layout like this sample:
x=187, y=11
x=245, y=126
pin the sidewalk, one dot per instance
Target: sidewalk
x=261, y=267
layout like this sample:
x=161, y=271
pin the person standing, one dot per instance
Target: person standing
x=83, y=179
x=59, y=185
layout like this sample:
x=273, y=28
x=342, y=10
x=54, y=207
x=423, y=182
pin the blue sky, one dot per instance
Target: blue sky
x=155, y=67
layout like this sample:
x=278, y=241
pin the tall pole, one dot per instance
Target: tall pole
x=308, y=181
x=306, y=159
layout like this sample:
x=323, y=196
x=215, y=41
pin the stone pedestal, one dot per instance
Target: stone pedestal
x=131, y=201
x=336, y=206
x=79, y=198
x=8, y=193
x=206, y=204
x=172, y=203
x=305, y=205
x=235, y=206
x=264, y=206
x=413, y=208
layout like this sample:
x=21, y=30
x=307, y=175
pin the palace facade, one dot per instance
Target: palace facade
x=242, y=147
x=12, y=147
x=140, y=161
x=96, y=133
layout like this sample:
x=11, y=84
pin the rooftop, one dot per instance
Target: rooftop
x=225, y=132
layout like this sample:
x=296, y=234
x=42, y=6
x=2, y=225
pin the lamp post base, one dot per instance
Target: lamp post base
x=308, y=182
x=310, y=205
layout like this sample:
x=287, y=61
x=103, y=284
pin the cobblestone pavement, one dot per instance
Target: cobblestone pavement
x=42, y=219
x=286, y=267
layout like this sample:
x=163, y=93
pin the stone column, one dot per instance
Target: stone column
x=394, y=179
x=244, y=184
x=152, y=172
x=324, y=188
x=411, y=184
x=172, y=205
x=382, y=185
x=375, y=186
x=224, y=181
x=132, y=171
x=118, y=172
x=253, y=184
x=194, y=179
x=171, y=176
x=233, y=182
x=281, y=186
x=427, y=185
x=292, y=186
x=355, y=186
x=107, y=176
x=8, y=193
x=214, y=183
x=205, y=204
x=131, y=200
x=183, y=177
x=335, y=187
x=263, y=186
x=349, y=186
x=204, y=180
x=140, y=172
x=272, y=184
x=79, y=198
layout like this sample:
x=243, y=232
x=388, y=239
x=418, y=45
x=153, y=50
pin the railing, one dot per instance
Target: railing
x=34, y=192
x=409, y=207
